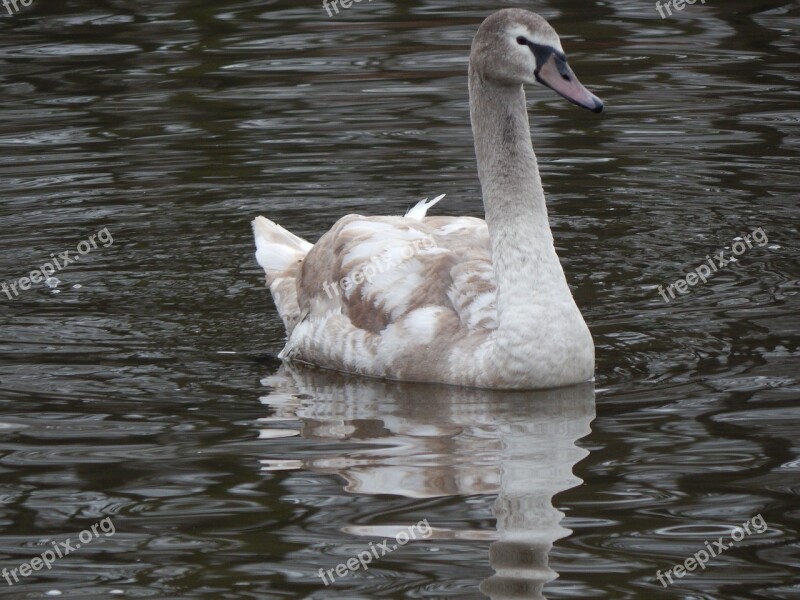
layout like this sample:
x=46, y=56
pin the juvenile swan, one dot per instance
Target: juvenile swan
x=454, y=300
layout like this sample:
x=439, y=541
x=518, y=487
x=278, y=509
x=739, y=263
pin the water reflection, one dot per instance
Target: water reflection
x=420, y=441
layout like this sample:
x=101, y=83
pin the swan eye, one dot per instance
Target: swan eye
x=522, y=41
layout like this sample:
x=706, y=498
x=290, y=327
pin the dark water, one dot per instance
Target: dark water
x=142, y=387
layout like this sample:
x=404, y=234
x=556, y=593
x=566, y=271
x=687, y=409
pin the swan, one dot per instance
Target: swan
x=452, y=300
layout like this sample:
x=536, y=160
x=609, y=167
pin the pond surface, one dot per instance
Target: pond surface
x=142, y=385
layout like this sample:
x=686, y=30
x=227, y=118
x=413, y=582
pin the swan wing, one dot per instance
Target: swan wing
x=378, y=294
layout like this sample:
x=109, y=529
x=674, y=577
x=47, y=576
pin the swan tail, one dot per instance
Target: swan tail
x=281, y=253
x=278, y=251
x=418, y=212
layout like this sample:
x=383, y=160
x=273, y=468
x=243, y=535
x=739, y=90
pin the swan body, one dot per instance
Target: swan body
x=455, y=300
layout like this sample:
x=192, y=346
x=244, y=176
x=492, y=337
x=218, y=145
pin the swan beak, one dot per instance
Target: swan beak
x=555, y=73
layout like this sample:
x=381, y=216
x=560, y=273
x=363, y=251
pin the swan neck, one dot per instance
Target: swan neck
x=541, y=337
x=513, y=198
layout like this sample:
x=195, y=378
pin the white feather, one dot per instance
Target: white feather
x=419, y=211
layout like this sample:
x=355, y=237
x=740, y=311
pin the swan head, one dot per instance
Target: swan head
x=515, y=46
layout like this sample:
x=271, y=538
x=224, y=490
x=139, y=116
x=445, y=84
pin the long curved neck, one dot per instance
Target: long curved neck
x=528, y=273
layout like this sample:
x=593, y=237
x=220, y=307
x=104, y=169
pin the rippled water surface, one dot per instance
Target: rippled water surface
x=142, y=385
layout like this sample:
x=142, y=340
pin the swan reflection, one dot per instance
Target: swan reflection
x=425, y=441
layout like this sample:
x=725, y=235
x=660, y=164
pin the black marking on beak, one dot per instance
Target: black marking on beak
x=542, y=53
x=556, y=60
